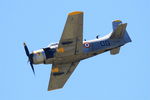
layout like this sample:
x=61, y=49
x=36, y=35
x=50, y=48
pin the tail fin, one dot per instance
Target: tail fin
x=115, y=24
x=119, y=31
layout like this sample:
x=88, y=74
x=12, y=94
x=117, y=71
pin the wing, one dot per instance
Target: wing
x=72, y=37
x=60, y=74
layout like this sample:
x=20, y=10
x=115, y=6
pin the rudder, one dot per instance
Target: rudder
x=119, y=31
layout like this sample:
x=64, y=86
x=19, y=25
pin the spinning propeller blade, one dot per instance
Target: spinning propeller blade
x=29, y=56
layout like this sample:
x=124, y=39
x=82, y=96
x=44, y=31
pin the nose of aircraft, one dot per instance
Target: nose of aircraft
x=38, y=56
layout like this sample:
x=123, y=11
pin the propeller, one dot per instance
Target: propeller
x=30, y=56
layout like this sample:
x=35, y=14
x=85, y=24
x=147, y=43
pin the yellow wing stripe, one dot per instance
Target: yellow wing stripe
x=55, y=70
x=61, y=50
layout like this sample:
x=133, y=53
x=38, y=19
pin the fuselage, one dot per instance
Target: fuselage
x=90, y=48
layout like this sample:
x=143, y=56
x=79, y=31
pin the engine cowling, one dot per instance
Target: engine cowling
x=39, y=56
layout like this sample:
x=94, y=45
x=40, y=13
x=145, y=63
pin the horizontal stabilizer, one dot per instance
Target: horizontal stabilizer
x=115, y=51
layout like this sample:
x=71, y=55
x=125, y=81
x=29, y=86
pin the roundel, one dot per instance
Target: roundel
x=86, y=45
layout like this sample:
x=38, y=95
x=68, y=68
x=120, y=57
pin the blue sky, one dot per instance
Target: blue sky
x=40, y=22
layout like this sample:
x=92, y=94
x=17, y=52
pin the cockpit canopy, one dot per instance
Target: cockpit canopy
x=53, y=45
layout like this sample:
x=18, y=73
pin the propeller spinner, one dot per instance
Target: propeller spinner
x=30, y=57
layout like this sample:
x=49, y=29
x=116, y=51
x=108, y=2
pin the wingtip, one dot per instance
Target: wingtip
x=75, y=13
x=51, y=89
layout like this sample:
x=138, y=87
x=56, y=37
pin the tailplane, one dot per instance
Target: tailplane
x=115, y=51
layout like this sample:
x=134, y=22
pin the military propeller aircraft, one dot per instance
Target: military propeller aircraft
x=71, y=49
